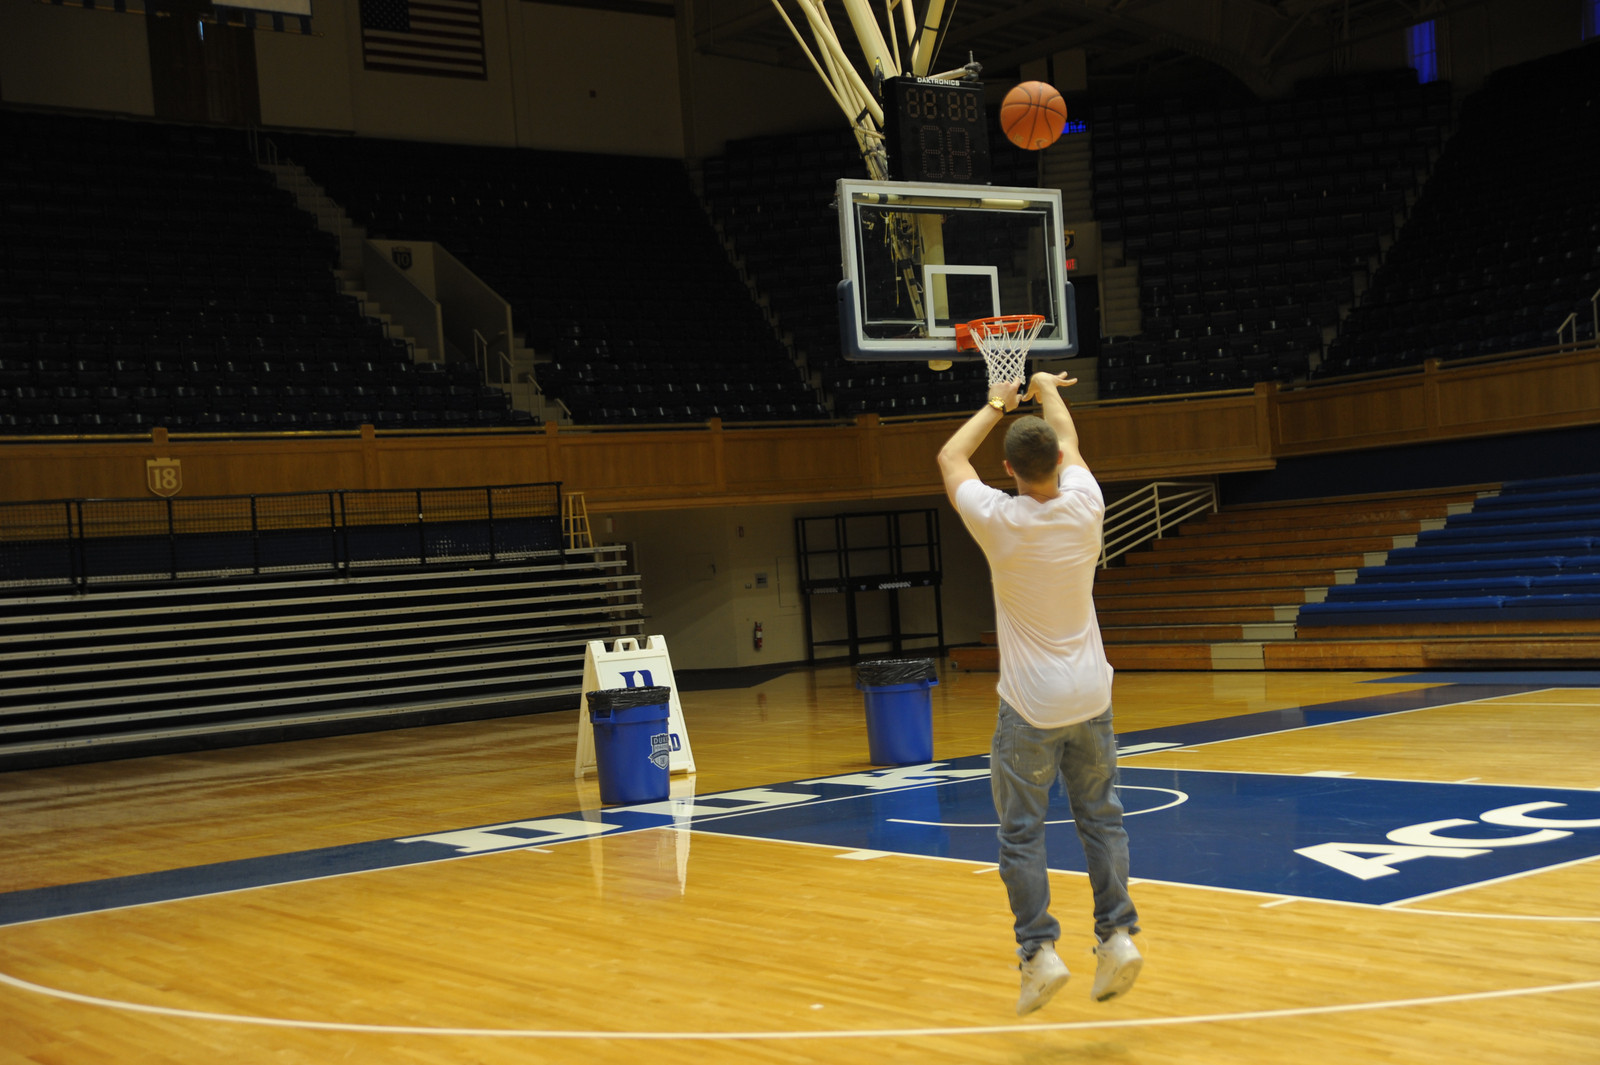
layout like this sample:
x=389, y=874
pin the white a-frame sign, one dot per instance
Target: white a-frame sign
x=627, y=665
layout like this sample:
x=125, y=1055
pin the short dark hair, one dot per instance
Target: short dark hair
x=1032, y=448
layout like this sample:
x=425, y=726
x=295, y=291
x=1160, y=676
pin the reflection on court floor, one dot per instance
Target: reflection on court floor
x=1339, y=838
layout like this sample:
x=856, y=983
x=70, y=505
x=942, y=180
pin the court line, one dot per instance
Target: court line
x=541, y=847
x=1347, y=721
x=919, y=785
x=1182, y=797
x=881, y=1033
x=1275, y=898
x=534, y=846
x=1398, y=903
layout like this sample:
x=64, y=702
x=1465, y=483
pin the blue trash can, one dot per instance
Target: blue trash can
x=899, y=710
x=632, y=744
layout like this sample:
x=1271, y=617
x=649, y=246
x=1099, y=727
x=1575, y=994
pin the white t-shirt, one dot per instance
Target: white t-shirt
x=1042, y=556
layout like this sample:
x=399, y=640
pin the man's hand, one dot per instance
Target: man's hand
x=1053, y=409
x=1042, y=381
x=1007, y=392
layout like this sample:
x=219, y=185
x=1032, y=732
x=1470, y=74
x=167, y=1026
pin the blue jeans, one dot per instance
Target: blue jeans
x=1024, y=762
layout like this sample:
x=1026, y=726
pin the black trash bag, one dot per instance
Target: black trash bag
x=628, y=698
x=889, y=671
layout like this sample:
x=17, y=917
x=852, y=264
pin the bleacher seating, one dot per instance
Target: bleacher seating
x=1504, y=242
x=193, y=664
x=1250, y=225
x=633, y=308
x=1531, y=553
x=155, y=276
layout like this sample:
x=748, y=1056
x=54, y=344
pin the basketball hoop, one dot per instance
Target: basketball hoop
x=1004, y=342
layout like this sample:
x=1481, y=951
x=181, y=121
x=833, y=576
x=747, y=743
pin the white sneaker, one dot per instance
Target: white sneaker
x=1042, y=976
x=1118, y=966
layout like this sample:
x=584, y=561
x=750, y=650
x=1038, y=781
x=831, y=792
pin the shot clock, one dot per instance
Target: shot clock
x=936, y=131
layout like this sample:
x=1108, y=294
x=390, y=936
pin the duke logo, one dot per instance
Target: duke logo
x=661, y=749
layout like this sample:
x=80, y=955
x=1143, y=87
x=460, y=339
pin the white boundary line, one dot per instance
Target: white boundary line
x=1495, y=880
x=1274, y=898
x=726, y=1036
x=1182, y=797
x=1333, y=724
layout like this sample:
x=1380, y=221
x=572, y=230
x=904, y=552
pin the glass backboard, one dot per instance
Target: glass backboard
x=917, y=259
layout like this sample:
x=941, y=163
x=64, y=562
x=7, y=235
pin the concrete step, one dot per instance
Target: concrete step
x=1205, y=536
x=1426, y=517
x=1196, y=633
x=1175, y=549
x=1110, y=593
x=1220, y=615
x=1139, y=567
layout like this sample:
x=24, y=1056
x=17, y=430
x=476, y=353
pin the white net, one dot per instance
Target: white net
x=1004, y=343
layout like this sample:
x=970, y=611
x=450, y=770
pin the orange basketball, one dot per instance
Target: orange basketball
x=1033, y=115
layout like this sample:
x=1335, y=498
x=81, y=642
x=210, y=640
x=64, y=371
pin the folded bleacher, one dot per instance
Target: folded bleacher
x=1532, y=553
x=153, y=275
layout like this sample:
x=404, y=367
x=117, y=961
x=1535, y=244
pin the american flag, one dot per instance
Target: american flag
x=443, y=37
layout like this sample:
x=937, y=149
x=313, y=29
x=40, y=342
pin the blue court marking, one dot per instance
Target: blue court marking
x=1241, y=831
x=1267, y=722
x=1536, y=678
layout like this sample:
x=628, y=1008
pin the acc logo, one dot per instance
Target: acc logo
x=661, y=749
x=1428, y=840
x=163, y=476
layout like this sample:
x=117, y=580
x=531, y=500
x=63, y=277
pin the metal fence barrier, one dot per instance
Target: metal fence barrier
x=1147, y=513
x=76, y=543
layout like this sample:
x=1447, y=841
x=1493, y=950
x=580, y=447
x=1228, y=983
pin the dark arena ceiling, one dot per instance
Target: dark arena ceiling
x=1155, y=45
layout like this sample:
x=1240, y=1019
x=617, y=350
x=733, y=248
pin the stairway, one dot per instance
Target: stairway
x=351, y=275
x=1229, y=587
x=113, y=673
x=1224, y=593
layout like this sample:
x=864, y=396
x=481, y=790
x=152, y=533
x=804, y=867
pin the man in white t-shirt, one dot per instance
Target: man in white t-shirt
x=1055, y=683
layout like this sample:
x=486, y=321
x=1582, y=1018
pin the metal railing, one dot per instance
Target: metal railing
x=1147, y=513
x=492, y=358
x=76, y=543
x=1570, y=322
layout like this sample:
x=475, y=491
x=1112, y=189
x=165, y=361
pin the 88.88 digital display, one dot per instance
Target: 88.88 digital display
x=936, y=131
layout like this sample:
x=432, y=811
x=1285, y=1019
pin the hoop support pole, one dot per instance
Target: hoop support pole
x=826, y=82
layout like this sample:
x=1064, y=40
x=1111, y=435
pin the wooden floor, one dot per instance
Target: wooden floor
x=667, y=946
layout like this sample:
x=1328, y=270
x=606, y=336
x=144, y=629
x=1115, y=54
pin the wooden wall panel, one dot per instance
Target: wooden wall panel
x=112, y=470
x=1185, y=438
x=640, y=467
x=907, y=455
x=445, y=461
x=1364, y=414
x=621, y=470
x=761, y=460
x=1512, y=397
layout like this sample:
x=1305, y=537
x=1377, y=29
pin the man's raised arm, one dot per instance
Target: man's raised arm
x=1044, y=389
x=955, y=458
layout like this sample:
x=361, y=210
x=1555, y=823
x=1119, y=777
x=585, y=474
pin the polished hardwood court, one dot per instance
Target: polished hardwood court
x=677, y=945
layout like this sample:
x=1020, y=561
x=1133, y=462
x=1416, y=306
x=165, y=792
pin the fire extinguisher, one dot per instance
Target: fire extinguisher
x=759, y=639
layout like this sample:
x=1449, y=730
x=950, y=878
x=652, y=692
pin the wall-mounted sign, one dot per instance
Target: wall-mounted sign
x=164, y=477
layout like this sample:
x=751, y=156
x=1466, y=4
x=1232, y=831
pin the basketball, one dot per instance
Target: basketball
x=1033, y=115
